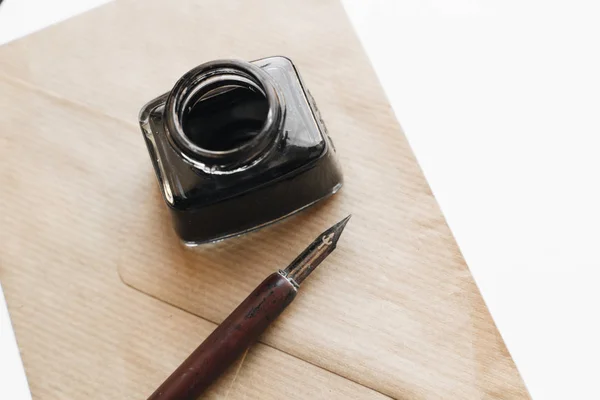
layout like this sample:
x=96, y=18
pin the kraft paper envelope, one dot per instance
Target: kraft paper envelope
x=83, y=334
x=394, y=309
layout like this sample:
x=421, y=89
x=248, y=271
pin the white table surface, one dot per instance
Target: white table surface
x=500, y=102
x=13, y=383
x=22, y=17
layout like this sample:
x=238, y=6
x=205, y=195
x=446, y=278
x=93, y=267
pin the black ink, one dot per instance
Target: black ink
x=236, y=146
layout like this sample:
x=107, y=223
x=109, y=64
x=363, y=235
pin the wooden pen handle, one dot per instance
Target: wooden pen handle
x=228, y=340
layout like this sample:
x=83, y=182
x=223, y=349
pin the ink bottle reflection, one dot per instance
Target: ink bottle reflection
x=236, y=146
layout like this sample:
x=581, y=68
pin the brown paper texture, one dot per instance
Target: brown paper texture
x=394, y=308
x=82, y=333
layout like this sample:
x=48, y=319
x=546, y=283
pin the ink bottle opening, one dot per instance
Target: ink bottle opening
x=236, y=146
x=224, y=113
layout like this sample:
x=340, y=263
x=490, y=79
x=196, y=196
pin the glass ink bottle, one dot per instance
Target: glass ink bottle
x=238, y=145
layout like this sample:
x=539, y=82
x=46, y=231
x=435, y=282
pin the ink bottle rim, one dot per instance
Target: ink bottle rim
x=209, y=76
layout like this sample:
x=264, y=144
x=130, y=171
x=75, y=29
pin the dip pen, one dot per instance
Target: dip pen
x=246, y=323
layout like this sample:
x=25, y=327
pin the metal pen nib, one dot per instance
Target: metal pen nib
x=314, y=254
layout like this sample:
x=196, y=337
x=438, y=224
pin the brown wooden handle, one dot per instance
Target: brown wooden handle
x=228, y=341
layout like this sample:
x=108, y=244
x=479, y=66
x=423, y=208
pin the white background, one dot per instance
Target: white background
x=500, y=102
x=21, y=17
x=13, y=383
